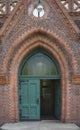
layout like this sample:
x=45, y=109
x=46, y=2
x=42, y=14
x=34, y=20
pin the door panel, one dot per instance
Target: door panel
x=29, y=93
x=34, y=95
x=58, y=100
x=24, y=102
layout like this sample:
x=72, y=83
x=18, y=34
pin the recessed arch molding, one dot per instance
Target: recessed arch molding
x=21, y=49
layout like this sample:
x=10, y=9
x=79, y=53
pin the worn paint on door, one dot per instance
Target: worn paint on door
x=29, y=100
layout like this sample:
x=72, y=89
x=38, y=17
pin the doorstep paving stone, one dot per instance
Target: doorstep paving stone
x=40, y=125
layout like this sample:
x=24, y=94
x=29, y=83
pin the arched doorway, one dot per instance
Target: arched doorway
x=39, y=87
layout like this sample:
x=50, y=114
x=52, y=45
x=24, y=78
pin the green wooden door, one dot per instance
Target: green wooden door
x=58, y=100
x=29, y=100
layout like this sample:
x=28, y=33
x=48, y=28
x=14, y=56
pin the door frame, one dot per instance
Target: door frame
x=27, y=77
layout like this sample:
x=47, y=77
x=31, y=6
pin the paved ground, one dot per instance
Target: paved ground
x=40, y=125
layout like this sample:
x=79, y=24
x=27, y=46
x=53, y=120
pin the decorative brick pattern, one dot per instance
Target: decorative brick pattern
x=76, y=79
x=71, y=6
x=7, y=7
x=57, y=34
x=2, y=80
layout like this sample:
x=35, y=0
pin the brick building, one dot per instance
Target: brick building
x=39, y=60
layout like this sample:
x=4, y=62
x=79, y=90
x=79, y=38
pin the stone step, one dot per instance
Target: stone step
x=39, y=125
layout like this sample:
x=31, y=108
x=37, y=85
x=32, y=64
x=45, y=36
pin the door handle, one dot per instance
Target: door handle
x=37, y=101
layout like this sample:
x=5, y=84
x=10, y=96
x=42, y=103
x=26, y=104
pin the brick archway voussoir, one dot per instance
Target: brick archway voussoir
x=18, y=58
x=22, y=38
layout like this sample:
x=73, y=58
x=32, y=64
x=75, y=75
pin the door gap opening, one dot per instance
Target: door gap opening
x=50, y=99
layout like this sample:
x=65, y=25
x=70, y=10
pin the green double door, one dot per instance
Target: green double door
x=29, y=100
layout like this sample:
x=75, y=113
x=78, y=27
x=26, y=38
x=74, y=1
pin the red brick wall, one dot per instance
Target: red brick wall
x=54, y=34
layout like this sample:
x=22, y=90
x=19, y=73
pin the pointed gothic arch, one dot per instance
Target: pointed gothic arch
x=21, y=49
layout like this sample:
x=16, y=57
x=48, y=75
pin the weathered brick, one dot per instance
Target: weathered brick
x=54, y=33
